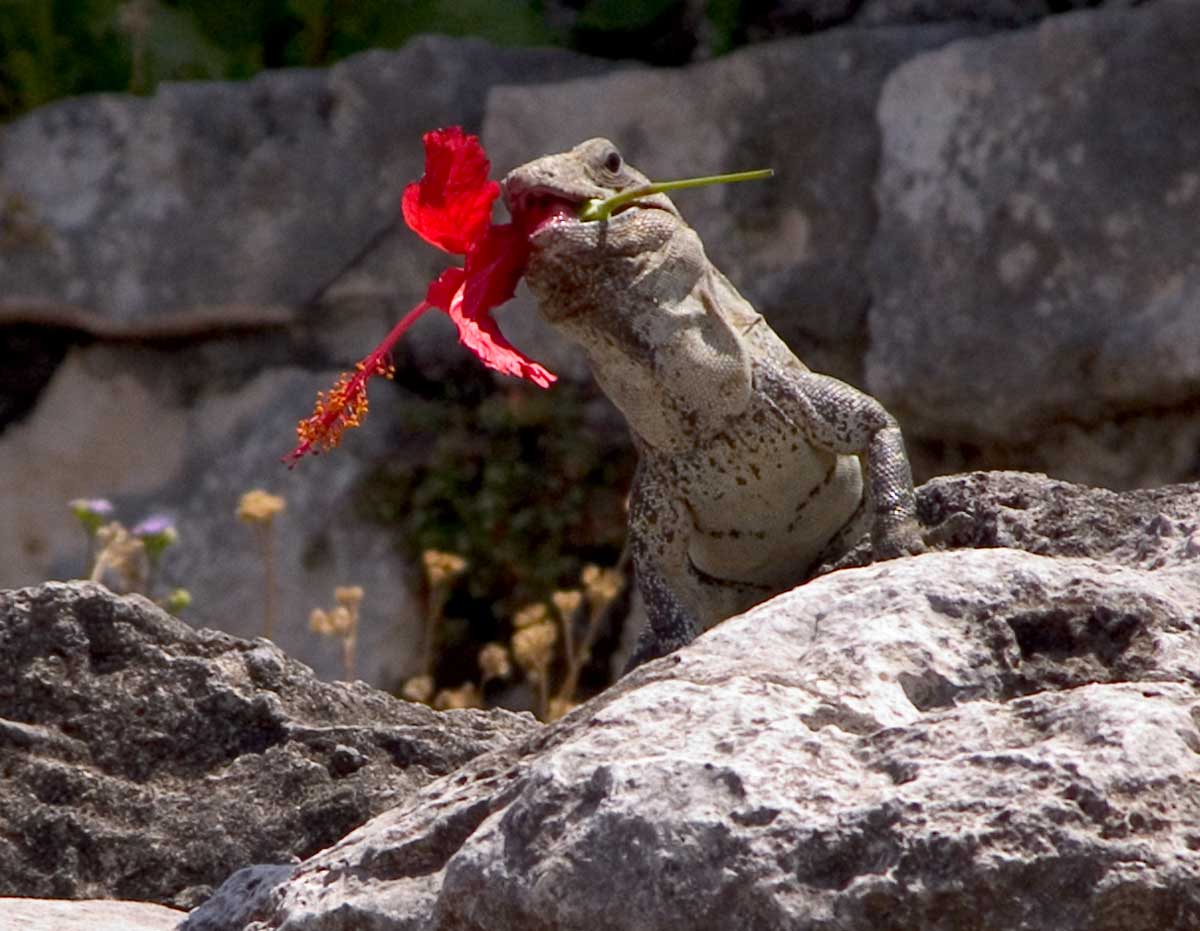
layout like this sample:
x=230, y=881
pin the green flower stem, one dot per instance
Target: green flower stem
x=594, y=210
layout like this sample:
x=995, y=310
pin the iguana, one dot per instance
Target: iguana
x=753, y=470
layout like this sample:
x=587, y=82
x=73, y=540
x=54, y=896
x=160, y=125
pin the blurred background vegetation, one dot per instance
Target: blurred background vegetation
x=58, y=48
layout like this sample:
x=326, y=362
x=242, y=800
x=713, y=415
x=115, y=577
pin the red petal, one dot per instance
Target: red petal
x=467, y=295
x=442, y=289
x=483, y=337
x=451, y=206
x=494, y=266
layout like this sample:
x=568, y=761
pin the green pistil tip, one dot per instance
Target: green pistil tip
x=593, y=210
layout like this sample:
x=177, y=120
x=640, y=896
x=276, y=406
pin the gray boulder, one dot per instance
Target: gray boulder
x=1148, y=528
x=146, y=760
x=1036, y=281
x=969, y=739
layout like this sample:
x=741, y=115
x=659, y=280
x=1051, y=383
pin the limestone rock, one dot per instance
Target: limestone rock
x=965, y=740
x=244, y=897
x=1147, y=528
x=1036, y=285
x=236, y=194
x=143, y=759
x=91, y=915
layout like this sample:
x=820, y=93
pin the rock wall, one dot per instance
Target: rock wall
x=990, y=230
x=1035, y=262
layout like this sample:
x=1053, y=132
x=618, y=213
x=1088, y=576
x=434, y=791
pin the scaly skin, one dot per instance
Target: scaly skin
x=752, y=471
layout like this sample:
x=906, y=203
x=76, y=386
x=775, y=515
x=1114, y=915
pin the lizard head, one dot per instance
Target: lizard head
x=575, y=264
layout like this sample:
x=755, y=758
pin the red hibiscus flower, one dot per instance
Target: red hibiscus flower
x=451, y=208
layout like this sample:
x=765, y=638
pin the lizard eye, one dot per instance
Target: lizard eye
x=612, y=161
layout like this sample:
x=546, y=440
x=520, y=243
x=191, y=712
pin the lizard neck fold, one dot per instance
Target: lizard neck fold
x=656, y=327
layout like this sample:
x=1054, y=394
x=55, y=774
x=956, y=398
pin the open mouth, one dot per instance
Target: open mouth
x=535, y=210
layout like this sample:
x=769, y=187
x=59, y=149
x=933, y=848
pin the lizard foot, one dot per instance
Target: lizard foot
x=903, y=539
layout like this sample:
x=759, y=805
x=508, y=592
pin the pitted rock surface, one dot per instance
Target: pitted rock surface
x=143, y=759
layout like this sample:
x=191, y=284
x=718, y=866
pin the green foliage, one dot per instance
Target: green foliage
x=725, y=18
x=169, y=45
x=50, y=49
x=516, y=484
x=56, y=48
x=622, y=16
x=356, y=26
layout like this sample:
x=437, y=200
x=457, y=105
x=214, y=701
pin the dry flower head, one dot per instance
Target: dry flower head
x=567, y=602
x=120, y=551
x=530, y=615
x=465, y=696
x=494, y=662
x=442, y=568
x=259, y=507
x=348, y=596
x=336, y=623
x=600, y=585
x=533, y=647
x=418, y=689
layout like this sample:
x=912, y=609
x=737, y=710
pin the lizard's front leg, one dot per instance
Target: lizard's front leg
x=841, y=419
x=659, y=528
